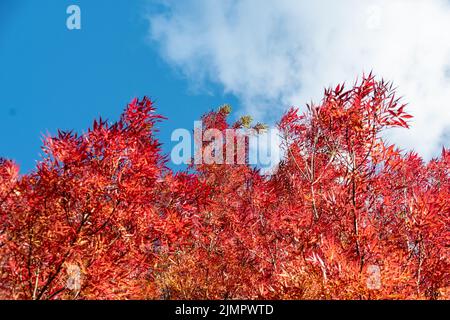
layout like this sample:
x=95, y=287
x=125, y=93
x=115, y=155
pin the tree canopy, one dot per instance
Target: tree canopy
x=345, y=215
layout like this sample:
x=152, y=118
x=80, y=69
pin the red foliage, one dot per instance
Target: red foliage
x=345, y=215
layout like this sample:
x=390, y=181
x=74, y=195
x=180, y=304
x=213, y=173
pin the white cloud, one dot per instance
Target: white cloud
x=274, y=54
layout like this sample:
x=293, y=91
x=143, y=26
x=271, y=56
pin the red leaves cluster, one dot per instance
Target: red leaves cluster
x=101, y=217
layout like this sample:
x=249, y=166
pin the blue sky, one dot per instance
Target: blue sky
x=51, y=77
x=191, y=56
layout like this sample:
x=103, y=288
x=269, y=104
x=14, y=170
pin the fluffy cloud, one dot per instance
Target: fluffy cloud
x=274, y=54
